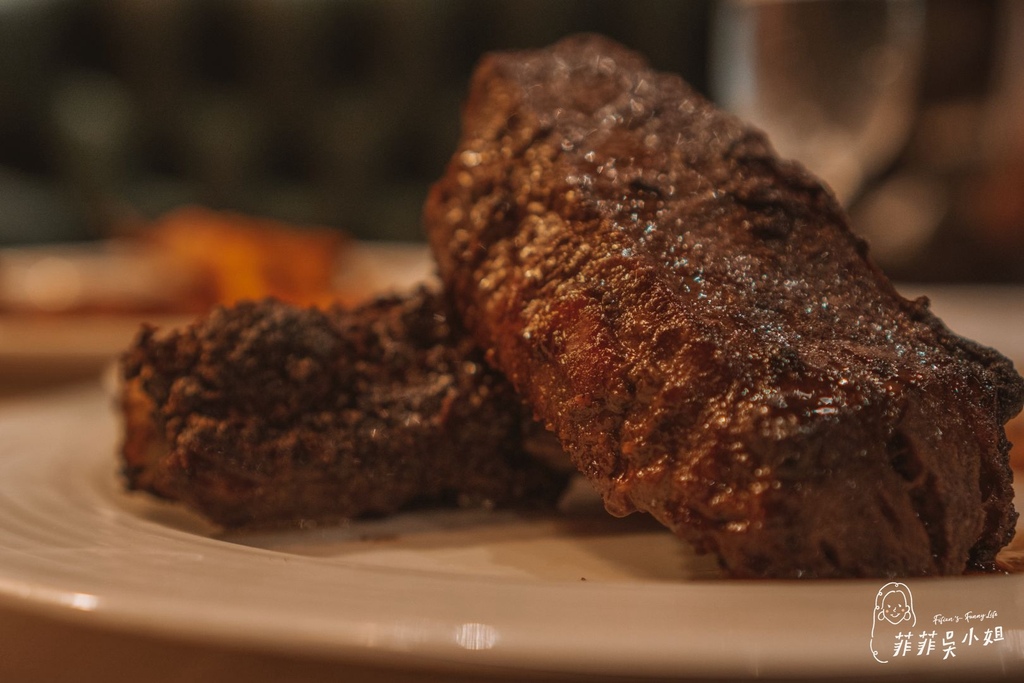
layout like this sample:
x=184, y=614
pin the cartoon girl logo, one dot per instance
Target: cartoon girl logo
x=894, y=612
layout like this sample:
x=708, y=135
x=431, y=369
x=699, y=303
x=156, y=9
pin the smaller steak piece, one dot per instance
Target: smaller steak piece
x=694, y=319
x=267, y=415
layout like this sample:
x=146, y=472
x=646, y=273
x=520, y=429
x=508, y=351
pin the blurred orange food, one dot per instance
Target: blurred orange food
x=186, y=262
x=234, y=257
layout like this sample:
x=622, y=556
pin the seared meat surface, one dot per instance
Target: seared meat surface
x=264, y=414
x=694, y=319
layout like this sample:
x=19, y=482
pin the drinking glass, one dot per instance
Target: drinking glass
x=832, y=82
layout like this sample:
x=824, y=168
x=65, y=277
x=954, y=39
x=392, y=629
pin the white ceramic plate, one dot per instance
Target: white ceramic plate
x=574, y=592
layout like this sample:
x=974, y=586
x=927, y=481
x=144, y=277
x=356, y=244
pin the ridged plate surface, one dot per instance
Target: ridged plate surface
x=573, y=591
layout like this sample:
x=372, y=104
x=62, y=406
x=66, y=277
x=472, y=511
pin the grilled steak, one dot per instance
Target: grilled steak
x=264, y=414
x=694, y=319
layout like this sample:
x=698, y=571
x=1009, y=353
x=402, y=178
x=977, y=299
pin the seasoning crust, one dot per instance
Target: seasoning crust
x=694, y=319
x=264, y=414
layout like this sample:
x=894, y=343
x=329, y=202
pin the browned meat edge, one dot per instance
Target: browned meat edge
x=694, y=319
x=264, y=414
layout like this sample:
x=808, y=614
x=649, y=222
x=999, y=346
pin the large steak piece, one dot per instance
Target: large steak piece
x=694, y=319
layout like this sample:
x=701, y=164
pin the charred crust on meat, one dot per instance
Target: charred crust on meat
x=706, y=336
x=264, y=414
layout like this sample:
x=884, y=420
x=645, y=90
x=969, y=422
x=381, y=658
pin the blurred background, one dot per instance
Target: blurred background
x=339, y=113
x=160, y=156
